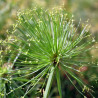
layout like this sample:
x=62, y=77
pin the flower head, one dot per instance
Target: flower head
x=48, y=42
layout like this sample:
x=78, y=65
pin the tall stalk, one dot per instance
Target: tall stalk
x=49, y=82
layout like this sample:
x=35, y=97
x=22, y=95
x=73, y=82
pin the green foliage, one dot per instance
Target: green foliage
x=47, y=43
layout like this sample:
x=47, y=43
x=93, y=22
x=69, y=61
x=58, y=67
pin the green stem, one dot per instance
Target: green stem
x=49, y=83
x=58, y=81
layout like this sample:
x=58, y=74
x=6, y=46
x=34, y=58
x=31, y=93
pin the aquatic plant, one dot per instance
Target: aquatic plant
x=48, y=43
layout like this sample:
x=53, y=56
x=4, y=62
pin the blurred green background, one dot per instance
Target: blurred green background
x=87, y=10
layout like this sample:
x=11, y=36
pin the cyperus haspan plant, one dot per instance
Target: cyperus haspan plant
x=48, y=43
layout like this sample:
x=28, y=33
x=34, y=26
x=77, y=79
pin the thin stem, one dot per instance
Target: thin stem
x=49, y=83
x=58, y=81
